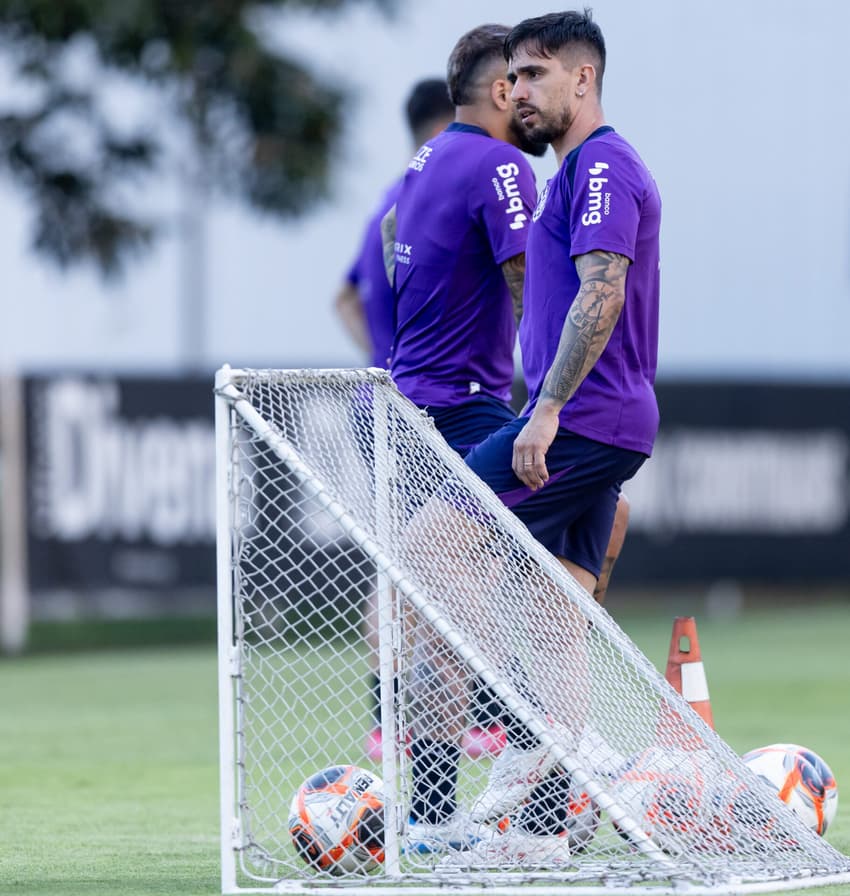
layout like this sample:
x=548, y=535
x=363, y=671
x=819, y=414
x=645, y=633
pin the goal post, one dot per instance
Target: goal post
x=333, y=491
x=227, y=645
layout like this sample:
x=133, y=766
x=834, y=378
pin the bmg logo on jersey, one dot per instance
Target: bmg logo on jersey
x=598, y=201
x=417, y=163
x=508, y=173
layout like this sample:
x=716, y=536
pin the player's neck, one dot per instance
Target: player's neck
x=583, y=126
x=473, y=116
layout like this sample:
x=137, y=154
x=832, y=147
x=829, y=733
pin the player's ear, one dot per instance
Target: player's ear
x=586, y=79
x=500, y=93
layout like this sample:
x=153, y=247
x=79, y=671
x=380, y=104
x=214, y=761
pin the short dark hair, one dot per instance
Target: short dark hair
x=548, y=35
x=427, y=103
x=476, y=49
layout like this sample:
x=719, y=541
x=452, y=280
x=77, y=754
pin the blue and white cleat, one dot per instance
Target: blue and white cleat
x=459, y=833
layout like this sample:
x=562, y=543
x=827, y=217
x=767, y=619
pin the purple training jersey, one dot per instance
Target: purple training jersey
x=602, y=198
x=464, y=209
x=369, y=275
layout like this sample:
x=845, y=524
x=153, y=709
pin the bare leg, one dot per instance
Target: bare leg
x=586, y=579
x=615, y=545
x=442, y=548
x=369, y=629
x=439, y=693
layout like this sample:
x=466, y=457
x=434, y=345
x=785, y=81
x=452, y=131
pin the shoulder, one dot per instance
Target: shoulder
x=610, y=156
x=507, y=170
x=387, y=201
x=497, y=152
x=391, y=193
x=390, y=197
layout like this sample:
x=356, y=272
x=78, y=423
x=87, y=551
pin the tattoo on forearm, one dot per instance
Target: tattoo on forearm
x=514, y=272
x=590, y=322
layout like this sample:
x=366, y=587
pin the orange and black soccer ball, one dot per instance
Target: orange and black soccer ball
x=802, y=780
x=336, y=821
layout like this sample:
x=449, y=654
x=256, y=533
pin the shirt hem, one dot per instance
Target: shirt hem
x=607, y=439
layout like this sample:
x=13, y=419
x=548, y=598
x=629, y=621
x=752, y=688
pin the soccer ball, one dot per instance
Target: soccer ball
x=336, y=820
x=557, y=806
x=801, y=778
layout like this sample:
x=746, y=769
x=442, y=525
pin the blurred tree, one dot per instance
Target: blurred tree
x=260, y=125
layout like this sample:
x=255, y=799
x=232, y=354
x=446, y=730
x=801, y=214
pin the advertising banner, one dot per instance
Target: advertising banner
x=121, y=482
x=748, y=481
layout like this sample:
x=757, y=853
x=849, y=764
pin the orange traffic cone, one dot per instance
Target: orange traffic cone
x=685, y=671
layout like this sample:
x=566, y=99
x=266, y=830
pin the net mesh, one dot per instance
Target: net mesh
x=339, y=486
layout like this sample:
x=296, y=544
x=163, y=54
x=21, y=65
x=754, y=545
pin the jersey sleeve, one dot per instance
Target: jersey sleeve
x=371, y=237
x=354, y=274
x=505, y=196
x=607, y=193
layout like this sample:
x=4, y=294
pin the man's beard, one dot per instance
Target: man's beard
x=547, y=131
x=524, y=140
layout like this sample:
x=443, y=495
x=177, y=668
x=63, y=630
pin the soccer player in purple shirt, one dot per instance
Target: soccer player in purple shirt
x=458, y=248
x=365, y=302
x=589, y=332
x=455, y=245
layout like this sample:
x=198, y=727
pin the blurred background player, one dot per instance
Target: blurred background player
x=365, y=302
x=455, y=246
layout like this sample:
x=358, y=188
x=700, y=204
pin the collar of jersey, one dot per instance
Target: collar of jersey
x=571, y=160
x=604, y=129
x=466, y=128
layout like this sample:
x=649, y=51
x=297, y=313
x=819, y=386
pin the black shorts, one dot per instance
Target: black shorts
x=572, y=514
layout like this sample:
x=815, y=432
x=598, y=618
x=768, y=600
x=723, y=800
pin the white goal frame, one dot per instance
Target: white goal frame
x=233, y=407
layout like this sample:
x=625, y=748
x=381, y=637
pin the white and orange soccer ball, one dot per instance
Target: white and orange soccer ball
x=802, y=780
x=336, y=820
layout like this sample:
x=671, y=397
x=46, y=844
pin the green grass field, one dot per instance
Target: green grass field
x=108, y=758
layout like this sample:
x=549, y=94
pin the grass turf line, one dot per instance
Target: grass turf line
x=108, y=759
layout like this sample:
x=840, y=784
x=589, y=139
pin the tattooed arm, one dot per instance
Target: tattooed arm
x=514, y=272
x=587, y=329
x=589, y=323
x=388, y=242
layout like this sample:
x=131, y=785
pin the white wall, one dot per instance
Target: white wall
x=740, y=109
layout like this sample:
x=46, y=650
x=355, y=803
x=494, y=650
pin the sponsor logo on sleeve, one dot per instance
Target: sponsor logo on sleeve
x=507, y=189
x=598, y=199
x=403, y=253
x=417, y=163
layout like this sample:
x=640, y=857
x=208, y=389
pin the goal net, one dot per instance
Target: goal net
x=355, y=548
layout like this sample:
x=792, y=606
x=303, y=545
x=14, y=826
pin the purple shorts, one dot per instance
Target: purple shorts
x=467, y=424
x=572, y=514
